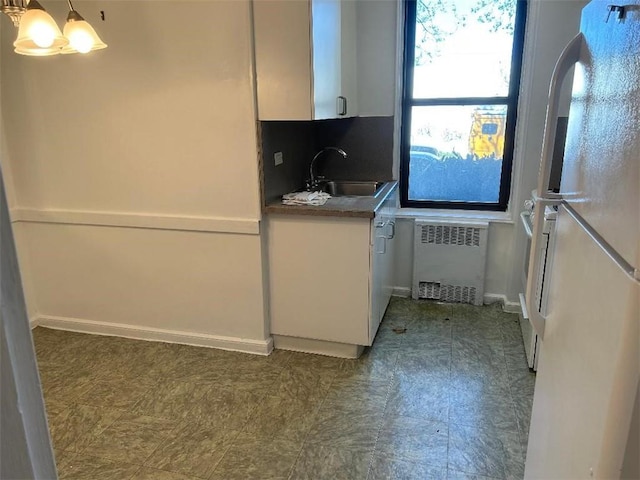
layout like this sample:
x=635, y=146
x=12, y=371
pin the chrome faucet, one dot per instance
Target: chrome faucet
x=313, y=178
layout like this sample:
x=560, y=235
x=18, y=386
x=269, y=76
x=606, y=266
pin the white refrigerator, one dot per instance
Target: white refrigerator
x=584, y=422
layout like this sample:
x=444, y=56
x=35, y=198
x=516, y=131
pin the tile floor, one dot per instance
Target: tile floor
x=450, y=398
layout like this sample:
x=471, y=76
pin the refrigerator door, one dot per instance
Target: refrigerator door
x=588, y=372
x=601, y=171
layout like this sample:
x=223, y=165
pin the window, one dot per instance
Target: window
x=462, y=76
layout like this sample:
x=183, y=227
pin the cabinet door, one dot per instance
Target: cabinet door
x=327, y=58
x=319, y=271
x=283, y=59
x=378, y=257
x=349, y=61
x=389, y=256
x=305, y=59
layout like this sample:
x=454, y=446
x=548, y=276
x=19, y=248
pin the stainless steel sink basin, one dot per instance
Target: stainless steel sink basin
x=348, y=188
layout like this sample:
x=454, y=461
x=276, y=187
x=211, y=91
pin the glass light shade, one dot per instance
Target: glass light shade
x=38, y=31
x=82, y=37
x=37, y=52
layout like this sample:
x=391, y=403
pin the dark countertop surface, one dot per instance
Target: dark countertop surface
x=347, y=206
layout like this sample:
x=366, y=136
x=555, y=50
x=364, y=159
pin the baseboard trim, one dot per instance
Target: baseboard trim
x=247, y=226
x=34, y=322
x=510, y=307
x=259, y=347
x=401, y=292
x=487, y=299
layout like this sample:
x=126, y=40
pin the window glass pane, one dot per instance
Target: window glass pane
x=456, y=153
x=463, y=48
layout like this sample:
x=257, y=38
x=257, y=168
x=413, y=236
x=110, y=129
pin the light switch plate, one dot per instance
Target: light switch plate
x=277, y=157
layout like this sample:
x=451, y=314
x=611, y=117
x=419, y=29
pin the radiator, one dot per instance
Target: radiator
x=449, y=261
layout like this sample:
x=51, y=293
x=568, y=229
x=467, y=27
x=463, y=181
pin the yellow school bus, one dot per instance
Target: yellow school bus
x=487, y=134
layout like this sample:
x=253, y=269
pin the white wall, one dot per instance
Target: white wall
x=550, y=26
x=134, y=174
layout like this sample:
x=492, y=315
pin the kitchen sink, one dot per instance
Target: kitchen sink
x=348, y=188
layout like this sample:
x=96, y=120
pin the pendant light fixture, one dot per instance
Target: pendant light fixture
x=38, y=34
x=82, y=37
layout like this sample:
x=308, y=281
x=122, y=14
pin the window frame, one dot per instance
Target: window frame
x=511, y=101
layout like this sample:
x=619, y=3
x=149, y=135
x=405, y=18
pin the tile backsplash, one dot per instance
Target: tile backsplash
x=368, y=142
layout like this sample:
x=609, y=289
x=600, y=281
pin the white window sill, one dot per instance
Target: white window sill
x=458, y=215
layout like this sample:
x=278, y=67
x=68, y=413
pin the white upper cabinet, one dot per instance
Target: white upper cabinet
x=305, y=59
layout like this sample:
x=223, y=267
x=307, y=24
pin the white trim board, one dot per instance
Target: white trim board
x=487, y=299
x=401, y=291
x=454, y=215
x=248, y=226
x=259, y=347
x=507, y=306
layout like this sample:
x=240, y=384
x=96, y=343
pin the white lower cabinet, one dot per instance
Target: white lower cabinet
x=382, y=259
x=330, y=278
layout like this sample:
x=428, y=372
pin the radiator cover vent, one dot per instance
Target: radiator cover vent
x=447, y=293
x=449, y=261
x=451, y=235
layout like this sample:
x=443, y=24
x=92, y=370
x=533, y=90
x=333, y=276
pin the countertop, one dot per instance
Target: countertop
x=347, y=206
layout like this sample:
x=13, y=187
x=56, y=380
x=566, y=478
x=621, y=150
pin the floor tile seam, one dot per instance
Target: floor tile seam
x=519, y=371
x=132, y=407
x=108, y=459
x=78, y=456
x=449, y=394
x=306, y=435
x=448, y=442
x=496, y=434
x=484, y=425
x=488, y=430
x=457, y=470
x=168, y=471
x=519, y=428
x=74, y=399
x=408, y=459
x=520, y=431
x=133, y=475
x=292, y=468
x=381, y=424
x=226, y=450
x=512, y=387
x=169, y=435
x=191, y=407
x=337, y=404
x=504, y=457
x=445, y=423
x=503, y=449
x=95, y=434
x=484, y=474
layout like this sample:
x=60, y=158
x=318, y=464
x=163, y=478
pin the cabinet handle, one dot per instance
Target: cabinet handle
x=392, y=224
x=342, y=105
x=380, y=224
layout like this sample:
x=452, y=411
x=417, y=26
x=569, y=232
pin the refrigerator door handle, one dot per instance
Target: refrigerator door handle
x=632, y=272
x=568, y=58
